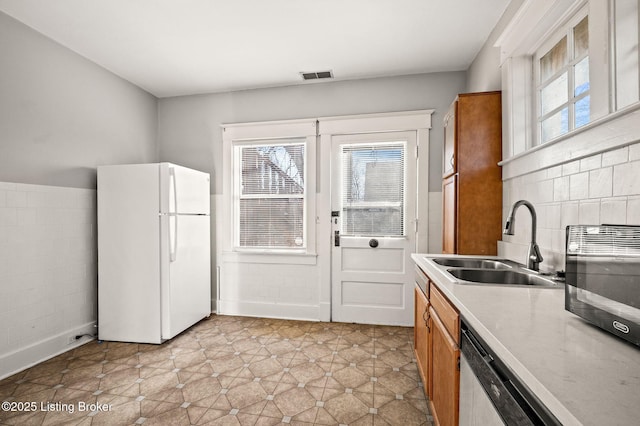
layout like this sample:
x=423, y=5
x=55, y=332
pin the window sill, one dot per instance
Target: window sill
x=273, y=257
x=613, y=131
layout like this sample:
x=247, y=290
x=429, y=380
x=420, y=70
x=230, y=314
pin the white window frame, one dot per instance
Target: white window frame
x=238, y=196
x=391, y=142
x=609, y=127
x=258, y=133
x=565, y=30
x=625, y=67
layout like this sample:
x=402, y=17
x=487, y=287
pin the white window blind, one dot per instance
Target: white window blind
x=271, y=201
x=373, y=189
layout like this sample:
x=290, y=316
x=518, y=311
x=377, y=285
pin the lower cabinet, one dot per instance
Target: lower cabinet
x=436, y=341
x=445, y=377
x=421, y=336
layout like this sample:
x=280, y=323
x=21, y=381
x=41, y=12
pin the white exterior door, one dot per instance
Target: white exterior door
x=373, y=204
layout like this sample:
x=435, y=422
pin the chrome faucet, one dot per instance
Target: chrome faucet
x=534, y=258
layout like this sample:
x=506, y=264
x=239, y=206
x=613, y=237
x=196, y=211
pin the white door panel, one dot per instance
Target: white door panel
x=373, y=190
x=372, y=294
x=357, y=256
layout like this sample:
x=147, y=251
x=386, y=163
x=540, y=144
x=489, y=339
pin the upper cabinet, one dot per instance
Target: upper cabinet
x=472, y=185
x=449, y=159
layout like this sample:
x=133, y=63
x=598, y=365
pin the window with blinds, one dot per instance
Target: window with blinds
x=271, y=201
x=373, y=189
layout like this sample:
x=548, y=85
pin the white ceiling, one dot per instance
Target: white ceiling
x=182, y=47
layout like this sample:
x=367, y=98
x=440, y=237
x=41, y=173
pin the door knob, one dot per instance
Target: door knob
x=373, y=243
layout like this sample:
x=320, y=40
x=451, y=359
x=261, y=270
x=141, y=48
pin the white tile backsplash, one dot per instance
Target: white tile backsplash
x=633, y=210
x=570, y=168
x=579, y=186
x=543, y=191
x=591, y=163
x=48, y=264
x=589, y=212
x=561, y=187
x=613, y=210
x=626, y=178
x=617, y=156
x=601, y=183
x=554, y=172
x=603, y=188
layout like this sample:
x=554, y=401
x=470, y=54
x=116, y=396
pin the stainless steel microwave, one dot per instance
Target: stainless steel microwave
x=603, y=277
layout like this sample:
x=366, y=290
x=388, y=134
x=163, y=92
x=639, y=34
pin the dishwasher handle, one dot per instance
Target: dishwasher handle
x=476, y=345
x=508, y=402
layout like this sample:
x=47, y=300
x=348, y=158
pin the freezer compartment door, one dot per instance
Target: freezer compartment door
x=186, y=272
x=183, y=190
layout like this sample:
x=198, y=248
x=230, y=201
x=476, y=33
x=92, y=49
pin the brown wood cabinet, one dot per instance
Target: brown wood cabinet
x=421, y=337
x=472, y=179
x=445, y=377
x=420, y=330
x=436, y=341
x=449, y=208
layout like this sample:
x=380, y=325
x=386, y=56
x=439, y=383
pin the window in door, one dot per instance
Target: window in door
x=270, y=201
x=373, y=193
x=563, y=81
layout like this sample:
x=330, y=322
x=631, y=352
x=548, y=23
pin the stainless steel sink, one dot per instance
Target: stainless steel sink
x=470, y=263
x=502, y=277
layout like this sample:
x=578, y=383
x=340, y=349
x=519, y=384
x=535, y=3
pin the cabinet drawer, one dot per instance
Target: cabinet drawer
x=447, y=313
x=422, y=281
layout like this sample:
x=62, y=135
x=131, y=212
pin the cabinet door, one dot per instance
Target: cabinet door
x=478, y=151
x=445, y=373
x=449, y=214
x=421, y=337
x=449, y=158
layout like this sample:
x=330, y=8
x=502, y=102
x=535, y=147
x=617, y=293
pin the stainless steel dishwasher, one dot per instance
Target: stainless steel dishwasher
x=490, y=393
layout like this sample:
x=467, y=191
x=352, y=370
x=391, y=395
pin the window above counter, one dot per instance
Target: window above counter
x=569, y=67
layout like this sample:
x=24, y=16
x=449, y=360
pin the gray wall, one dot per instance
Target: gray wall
x=189, y=127
x=62, y=115
x=484, y=73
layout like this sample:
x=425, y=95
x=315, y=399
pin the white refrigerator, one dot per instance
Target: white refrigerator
x=154, y=276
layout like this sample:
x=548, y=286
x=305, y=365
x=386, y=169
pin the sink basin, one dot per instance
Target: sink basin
x=505, y=277
x=470, y=263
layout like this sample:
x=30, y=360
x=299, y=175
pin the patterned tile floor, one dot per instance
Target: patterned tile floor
x=230, y=370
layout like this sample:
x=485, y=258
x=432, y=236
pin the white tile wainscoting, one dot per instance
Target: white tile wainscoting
x=48, y=271
x=601, y=188
x=262, y=285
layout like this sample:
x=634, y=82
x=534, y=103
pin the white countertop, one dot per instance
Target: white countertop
x=581, y=373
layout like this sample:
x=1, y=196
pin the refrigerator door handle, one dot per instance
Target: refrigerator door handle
x=173, y=238
x=173, y=253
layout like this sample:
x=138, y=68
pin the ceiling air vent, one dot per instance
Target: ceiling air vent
x=316, y=75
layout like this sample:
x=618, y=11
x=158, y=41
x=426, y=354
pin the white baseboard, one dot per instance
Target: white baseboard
x=269, y=310
x=23, y=358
